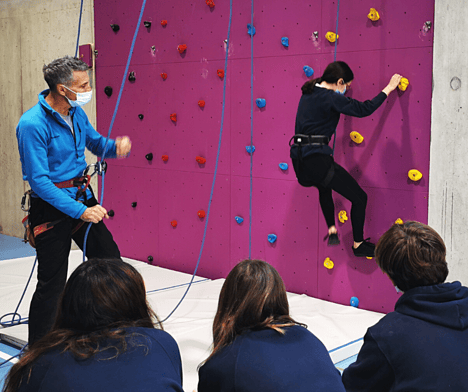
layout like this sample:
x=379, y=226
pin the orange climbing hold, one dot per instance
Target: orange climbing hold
x=164, y=23
x=174, y=117
x=201, y=214
x=220, y=73
x=174, y=223
x=210, y=3
x=201, y=103
x=182, y=48
x=200, y=160
x=165, y=158
x=164, y=75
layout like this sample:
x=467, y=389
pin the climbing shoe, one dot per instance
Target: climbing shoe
x=366, y=249
x=333, y=239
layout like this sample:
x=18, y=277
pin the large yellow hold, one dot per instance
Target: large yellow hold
x=414, y=175
x=373, y=15
x=403, y=84
x=356, y=137
x=331, y=36
x=342, y=217
x=328, y=264
x=399, y=221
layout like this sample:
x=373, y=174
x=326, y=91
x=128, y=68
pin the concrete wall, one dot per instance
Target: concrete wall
x=32, y=33
x=448, y=189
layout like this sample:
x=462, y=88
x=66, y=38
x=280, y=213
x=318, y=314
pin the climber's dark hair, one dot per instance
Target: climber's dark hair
x=334, y=72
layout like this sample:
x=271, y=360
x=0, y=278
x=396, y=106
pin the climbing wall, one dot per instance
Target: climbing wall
x=159, y=192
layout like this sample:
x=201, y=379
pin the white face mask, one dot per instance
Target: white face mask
x=81, y=98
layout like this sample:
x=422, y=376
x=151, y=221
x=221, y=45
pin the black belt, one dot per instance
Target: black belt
x=309, y=140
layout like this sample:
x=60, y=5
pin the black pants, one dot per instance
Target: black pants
x=313, y=169
x=53, y=248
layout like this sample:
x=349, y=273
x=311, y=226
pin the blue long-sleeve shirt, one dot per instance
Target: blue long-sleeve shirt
x=50, y=153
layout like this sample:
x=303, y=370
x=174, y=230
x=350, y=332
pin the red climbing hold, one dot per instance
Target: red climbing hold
x=174, y=117
x=182, y=48
x=201, y=160
x=174, y=223
x=164, y=75
x=201, y=214
x=165, y=158
x=220, y=73
x=210, y=3
x=201, y=103
x=164, y=23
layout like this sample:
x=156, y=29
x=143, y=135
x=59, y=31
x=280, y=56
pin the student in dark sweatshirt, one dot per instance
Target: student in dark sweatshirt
x=257, y=346
x=320, y=107
x=103, y=339
x=423, y=344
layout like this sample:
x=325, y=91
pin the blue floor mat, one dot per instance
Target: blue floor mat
x=14, y=248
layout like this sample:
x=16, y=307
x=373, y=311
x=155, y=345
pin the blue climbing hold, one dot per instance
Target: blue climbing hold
x=272, y=238
x=250, y=149
x=250, y=30
x=308, y=71
x=285, y=41
x=354, y=302
x=283, y=166
x=239, y=219
x=261, y=103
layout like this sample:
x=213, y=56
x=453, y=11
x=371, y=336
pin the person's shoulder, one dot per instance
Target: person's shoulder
x=32, y=116
x=157, y=336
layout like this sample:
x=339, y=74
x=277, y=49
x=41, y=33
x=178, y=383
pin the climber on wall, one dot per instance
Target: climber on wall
x=317, y=117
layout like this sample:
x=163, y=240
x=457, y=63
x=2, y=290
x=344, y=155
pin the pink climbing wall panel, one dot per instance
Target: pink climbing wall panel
x=396, y=136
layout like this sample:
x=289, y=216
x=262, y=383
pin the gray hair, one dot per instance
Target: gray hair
x=60, y=71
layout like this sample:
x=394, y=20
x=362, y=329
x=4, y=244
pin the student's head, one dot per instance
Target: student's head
x=338, y=73
x=412, y=254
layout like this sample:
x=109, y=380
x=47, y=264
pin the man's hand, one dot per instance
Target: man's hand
x=94, y=214
x=123, y=145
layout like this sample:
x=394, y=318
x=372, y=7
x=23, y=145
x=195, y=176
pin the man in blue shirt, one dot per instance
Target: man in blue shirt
x=52, y=137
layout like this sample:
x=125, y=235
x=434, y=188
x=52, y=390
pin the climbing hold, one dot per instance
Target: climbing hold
x=220, y=73
x=403, y=84
x=354, y=302
x=399, y=221
x=131, y=77
x=182, y=48
x=174, y=223
x=173, y=117
x=250, y=30
x=356, y=137
x=210, y=3
x=250, y=149
x=427, y=25
x=201, y=103
x=368, y=258
x=200, y=160
x=141, y=116
x=164, y=23
x=165, y=158
x=373, y=15
x=260, y=102
x=272, y=238
x=134, y=204
x=285, y=41
x=328, y=264
x=315, y=34
x=239, y=219
x=149, y=156
x=283, y=166
x=108, y=91
x=414, y=175
x=147, y=24
x=201, y=214
x=331, y=36
x=308, y=71
x=342, y=217
x=111, y=213
x=150, y=259
x=164, y=75
x=115, y=27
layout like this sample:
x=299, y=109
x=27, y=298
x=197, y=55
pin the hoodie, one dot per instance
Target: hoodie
x=421, y=346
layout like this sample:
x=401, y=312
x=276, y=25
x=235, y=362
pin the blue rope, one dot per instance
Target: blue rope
x=334, y=59
x=251, y=130
x=79, y=30
x=216, y=167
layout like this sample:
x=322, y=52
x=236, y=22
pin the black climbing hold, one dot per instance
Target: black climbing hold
x=149, y=156
x=108, y=91
x=111, y=213
x=115, y=27
x=147, y=24
x=140, y=116
x=134, y=204
x=150, y=259
x=131, y=77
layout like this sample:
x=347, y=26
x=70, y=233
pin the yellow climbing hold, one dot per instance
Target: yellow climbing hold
x=399, y=221
x=331, y=36
x=328, y=264
x=414, y=175
x=342, y=216
x=356, y=137
x=403, y=84
x=373, y=15
x=370, y=258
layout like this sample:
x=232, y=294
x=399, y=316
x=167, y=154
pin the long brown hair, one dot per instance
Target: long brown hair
x=334, y=72
x=101, y=298
x=253, y=297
